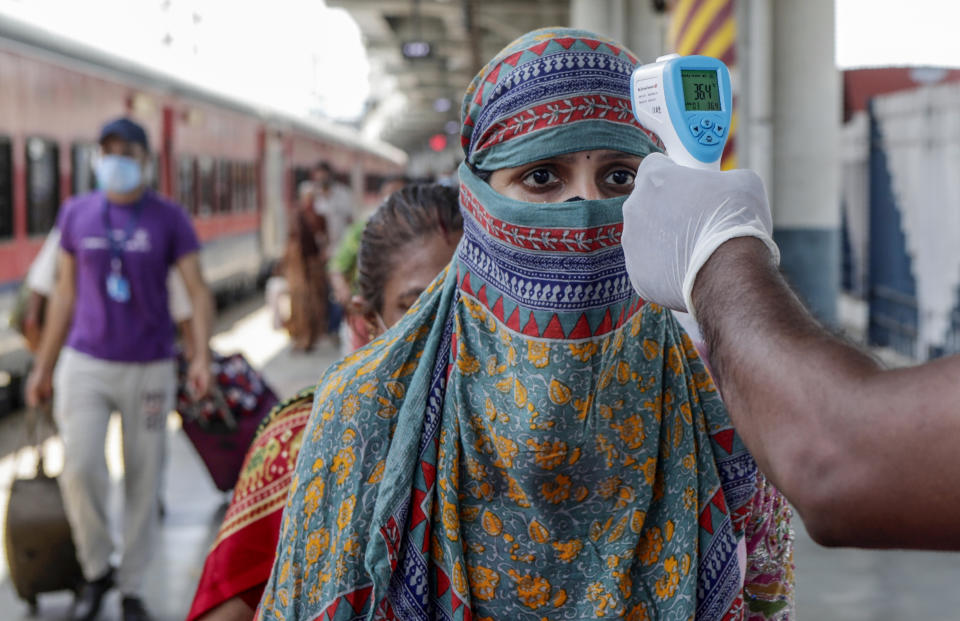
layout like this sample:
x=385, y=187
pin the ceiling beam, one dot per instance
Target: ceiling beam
x=405, y=7
x=460, y=40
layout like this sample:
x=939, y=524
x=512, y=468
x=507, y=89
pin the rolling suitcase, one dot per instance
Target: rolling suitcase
x=222, y=426
x=40, y=552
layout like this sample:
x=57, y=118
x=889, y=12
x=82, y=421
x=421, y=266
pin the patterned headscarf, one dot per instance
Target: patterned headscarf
x=531, y=440
x=550, y=92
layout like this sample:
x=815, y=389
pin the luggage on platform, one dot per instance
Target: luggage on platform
x=11, y=392
x=40, y=552
x=222, y=426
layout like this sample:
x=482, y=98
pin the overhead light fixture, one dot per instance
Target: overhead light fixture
x=416, y=49
x=441, y=104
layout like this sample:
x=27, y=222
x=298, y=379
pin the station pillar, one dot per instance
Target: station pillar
x=804, y=192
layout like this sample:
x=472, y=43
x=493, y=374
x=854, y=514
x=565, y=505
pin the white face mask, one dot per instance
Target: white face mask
x=118, y=174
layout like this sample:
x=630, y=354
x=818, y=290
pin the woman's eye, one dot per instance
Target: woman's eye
x=404, y=303
x=540, y=177
x=620, y=177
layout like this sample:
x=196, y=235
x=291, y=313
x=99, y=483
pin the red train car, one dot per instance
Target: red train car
x=231, y=164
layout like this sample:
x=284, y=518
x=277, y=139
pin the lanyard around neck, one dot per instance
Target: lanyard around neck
x=117, y=246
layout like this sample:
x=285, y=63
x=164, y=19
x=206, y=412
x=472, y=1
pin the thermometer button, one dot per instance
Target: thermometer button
x=719, y=130
x=706, y=123
x=696, y=130
x=709, y=139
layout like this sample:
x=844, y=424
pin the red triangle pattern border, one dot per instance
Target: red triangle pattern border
x=526, y=323
x=356, y=599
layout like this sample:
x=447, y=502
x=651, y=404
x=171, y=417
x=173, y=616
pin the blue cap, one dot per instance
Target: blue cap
x=127, y=130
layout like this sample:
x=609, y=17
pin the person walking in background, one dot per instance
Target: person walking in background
x=342, y=266
x=342, y=274
x=303, y=268
x=333, y=201
x=110, y=309
x=42, y=277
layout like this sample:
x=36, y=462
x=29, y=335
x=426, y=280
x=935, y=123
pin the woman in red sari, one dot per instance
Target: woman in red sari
x=417, y=229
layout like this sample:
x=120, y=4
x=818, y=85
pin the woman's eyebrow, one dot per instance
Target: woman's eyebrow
x=605, y=156
x=566, y=158
x=413, y=292
x=615, y=155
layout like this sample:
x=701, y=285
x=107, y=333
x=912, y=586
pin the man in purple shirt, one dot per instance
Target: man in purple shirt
x=110, y=315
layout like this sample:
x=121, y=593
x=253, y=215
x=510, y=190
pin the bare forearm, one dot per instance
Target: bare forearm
x=202, y=303
x=860, y=451
x=187, y=348
x=59, y=314
x=202, y=322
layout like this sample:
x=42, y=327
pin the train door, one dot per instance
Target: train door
x=274, y=216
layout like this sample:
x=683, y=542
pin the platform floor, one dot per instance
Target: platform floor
x=832, y=585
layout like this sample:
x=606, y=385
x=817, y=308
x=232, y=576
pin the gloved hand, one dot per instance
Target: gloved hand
x=677, y=216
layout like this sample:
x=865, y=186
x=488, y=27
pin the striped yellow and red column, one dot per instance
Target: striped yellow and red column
x=708, y=28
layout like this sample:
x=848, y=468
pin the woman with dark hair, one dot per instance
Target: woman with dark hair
x=408, y=240
x=532, y=440
x=399, y=249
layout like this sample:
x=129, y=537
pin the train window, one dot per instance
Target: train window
x=6, y=188
x=372, y=184
x=81, y=163
x=249, y=200
x=236, y=190
x=43, y=184
x=224, y=175
x=253, y=185
x=186, y=183
x=205, y=179
x=244, y=186
x=250, y=188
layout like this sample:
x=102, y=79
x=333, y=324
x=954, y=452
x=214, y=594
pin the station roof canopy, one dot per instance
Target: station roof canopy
x=423, y=53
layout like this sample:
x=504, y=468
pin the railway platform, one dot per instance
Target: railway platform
x=832, y=584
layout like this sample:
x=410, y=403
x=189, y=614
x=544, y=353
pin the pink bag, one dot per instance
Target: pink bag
x=223, y=425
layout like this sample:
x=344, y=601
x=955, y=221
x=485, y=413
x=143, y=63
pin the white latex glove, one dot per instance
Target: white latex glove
x=677, y=216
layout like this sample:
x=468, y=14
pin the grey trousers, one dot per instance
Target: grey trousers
x=86, y=391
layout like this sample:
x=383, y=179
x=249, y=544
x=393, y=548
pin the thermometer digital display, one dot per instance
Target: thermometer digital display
x=701, y=89
x=686, y=101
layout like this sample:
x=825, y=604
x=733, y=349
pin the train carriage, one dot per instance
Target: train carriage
x=232, y=165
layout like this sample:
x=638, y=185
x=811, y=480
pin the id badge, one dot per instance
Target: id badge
x=118, y=288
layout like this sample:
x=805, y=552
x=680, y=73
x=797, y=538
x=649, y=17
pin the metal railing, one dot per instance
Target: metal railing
x=893, y=320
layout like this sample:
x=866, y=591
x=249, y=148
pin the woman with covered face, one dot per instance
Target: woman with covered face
x=532, y=440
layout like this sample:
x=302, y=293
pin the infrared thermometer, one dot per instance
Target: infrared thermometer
x=686, y=101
